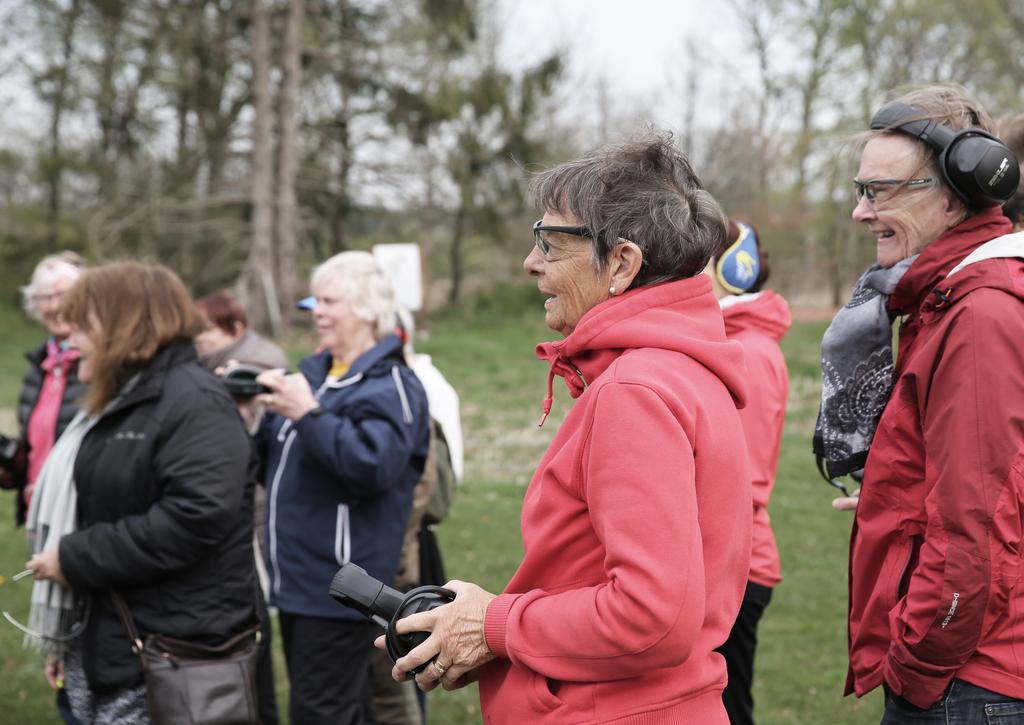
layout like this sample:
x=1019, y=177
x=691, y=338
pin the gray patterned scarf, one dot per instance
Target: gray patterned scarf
x=857, y=374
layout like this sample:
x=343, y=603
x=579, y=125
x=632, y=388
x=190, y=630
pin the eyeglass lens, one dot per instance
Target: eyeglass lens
x=539, y=240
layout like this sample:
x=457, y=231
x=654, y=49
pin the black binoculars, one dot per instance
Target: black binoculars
x=353, y=587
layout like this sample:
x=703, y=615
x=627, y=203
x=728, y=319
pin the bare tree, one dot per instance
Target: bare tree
x=258, y=288
x=287, y=156
x=53, y=84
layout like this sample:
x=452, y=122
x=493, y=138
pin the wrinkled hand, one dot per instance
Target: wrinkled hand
x=54, y=673
x=251, y=412
x=457, y=639
x=291, y=395
x=847, y=503
x=46, y=565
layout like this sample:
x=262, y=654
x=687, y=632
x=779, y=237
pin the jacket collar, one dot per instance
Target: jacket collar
x=150, y=376
x=942, y=255
x=316, y=367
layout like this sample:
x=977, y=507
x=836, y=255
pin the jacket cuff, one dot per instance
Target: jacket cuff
x=919, y=689
x=495, y=623
x=305, y=422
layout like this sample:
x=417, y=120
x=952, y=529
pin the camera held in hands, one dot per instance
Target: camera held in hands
x=353, y=587
x=240, y=380
x=10, y=450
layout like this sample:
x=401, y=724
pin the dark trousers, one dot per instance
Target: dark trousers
x=328, y=663
x=266, y=697
x=738, y=651
x=64, y=708
x=961, y=704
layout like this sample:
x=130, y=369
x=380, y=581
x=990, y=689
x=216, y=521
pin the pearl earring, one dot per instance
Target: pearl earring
x=611, y=291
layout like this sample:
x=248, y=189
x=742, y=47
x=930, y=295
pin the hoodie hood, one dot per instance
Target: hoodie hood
x=681, y=316
x=766, y=312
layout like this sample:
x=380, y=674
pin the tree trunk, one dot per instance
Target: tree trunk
x=55, y=168
x=259, y=290
x=286, y=227
x=455, y=253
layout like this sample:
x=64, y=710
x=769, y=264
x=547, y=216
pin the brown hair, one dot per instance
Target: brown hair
x=645, y=191
x=130, y=310
x=223, y=311
x=1011, y=132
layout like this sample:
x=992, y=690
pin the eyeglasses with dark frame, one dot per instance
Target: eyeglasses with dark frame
x=876, y=190
x=539, y=232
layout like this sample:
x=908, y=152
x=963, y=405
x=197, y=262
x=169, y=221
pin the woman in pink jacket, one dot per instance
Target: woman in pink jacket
x=757, y=319
x=636, y=550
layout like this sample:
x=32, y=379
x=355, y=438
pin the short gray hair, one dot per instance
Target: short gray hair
x=62, y=264
x=644, y=191
x=360, y=282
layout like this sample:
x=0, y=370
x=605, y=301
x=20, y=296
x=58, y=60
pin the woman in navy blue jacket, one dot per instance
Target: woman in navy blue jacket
x=344, y=444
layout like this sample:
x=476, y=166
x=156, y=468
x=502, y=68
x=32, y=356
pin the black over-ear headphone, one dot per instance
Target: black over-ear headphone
x=979, y=168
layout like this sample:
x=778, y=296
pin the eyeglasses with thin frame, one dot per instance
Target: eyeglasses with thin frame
x=76, y=629
x=540, y=233
x=881, y=190
x=41, y=298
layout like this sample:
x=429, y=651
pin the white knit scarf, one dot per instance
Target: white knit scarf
x=52, y=514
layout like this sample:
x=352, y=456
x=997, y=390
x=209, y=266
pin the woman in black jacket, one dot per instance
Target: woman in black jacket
x=50, y=390
x=163, y=497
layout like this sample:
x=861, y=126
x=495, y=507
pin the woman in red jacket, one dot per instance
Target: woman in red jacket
x=936, y=550
x=757, y=319
x=636, y=551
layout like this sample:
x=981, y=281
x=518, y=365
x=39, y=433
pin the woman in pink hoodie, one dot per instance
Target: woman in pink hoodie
x=757, y=319
x=636, y=550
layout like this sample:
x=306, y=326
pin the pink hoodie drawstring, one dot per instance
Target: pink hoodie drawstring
x=546, y=405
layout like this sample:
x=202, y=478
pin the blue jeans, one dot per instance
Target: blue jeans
x=961, y=704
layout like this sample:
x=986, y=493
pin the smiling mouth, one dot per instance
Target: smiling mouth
x=884, y=235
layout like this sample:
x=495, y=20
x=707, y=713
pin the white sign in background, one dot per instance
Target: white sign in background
x=401, y=263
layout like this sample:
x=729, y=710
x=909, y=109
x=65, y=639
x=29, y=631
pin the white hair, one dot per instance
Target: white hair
x=358, y=280
x=50, y=268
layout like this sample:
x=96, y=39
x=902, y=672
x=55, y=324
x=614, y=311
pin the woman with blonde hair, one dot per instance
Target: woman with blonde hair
x=50, y=388
x=145, y=495
x=344, y=444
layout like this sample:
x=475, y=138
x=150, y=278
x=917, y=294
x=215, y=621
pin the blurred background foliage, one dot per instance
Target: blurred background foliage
x=240, y=141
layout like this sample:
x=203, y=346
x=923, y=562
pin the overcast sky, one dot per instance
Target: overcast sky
x=636, y=45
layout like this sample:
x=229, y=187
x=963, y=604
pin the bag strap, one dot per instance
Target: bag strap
x=126, y=619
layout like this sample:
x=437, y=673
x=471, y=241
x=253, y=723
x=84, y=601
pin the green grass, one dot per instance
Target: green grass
x=486, y=350
x=19, y=335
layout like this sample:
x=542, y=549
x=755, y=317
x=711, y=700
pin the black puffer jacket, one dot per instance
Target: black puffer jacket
x=165, y=515
x=31, y=386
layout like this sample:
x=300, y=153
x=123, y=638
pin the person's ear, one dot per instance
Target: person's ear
x=239, y=329
x=624, y=264
x=955, y=210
